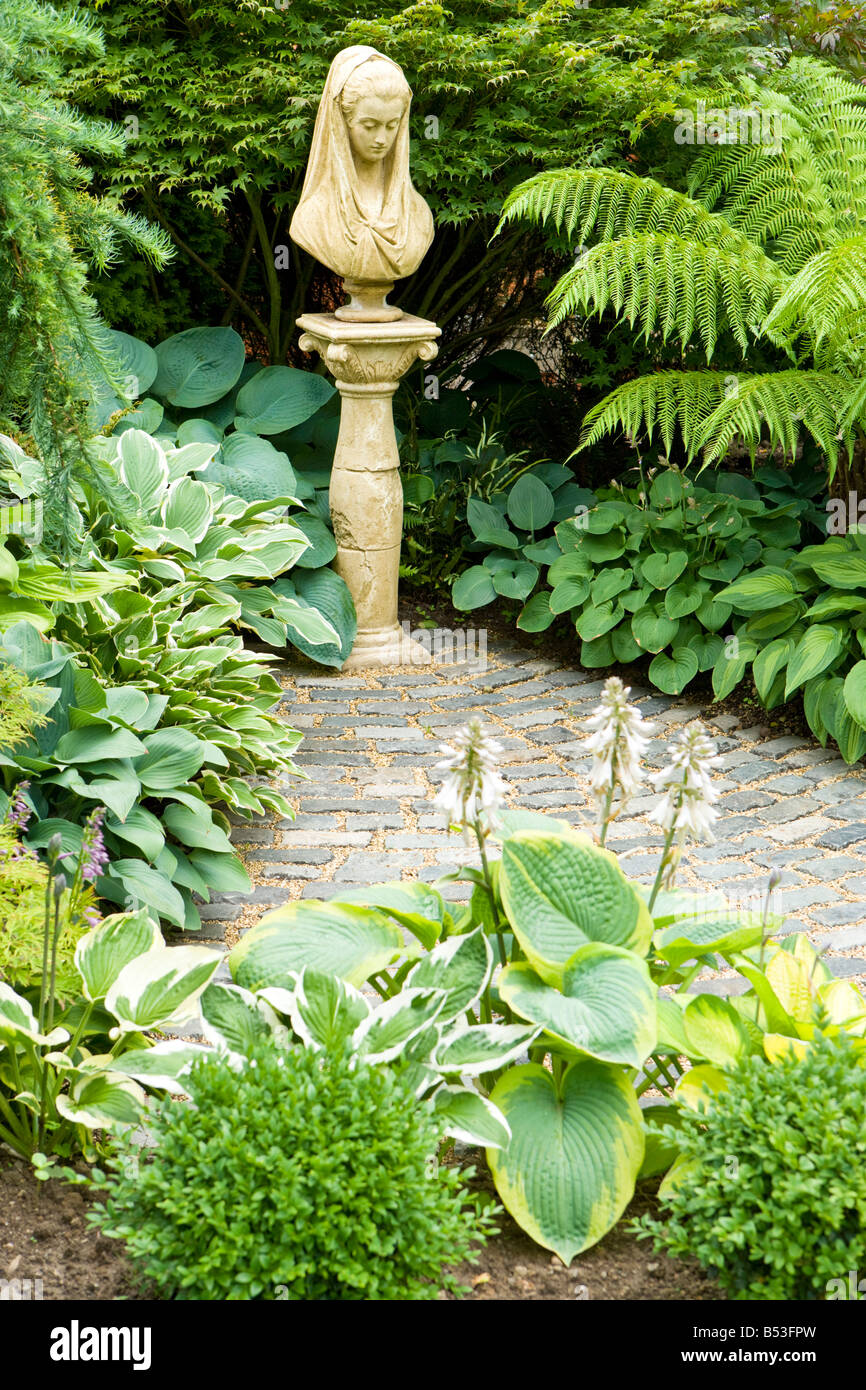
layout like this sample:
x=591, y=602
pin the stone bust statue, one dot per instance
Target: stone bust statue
x=358, y=213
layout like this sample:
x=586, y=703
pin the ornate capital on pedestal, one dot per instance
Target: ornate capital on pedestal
x=367, y=354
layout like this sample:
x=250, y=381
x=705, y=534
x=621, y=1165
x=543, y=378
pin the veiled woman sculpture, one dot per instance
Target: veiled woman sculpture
x=358, y=213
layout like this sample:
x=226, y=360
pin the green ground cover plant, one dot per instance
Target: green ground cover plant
x=770, y=1191
x=334, y=1197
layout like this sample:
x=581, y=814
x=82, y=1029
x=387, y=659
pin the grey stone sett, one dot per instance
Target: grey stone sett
x=844, y=836
x=297, y=856
x=308, y=822
x=847, y=810
x=780, y=857
x=348, y=804
x=834, y=793
x=779, y=747
x=844, y=940
x=371, y=868
x=800, y=899
x=840, y=916
x=752, y=770
x=844, y=967
x=296, y=871
x=322, y=761
x=723, y=849
x=374, y=821
x=811, y=757
x=744, y=801
x=789, y=784
x=856, y=885
x=793, y=809
x=392, y=707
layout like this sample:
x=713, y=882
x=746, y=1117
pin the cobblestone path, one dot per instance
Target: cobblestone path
x=371, y=742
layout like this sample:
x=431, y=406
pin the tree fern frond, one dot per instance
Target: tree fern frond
x=829, y=287
x=663, y=282
x=607, y=205
x=773, y=406
x=663, y=402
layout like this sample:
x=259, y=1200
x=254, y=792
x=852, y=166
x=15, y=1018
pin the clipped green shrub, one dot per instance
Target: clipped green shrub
x=301, y=1178
x=770, y=1191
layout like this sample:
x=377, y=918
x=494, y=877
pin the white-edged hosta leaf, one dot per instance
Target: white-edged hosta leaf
x=569, y=1170
x=162, y=1065
x=105, y=1101
x=163, y=986
x=606, y=1007
x=326, y=1010
x=235, y=1020
x=17, y=1020
x=466, y=1115
x=461, y=966
x=482, y=1048
x=383, y=1035
x=188, y=505
x=337, y=938
x=102, y=953
x=143, y=468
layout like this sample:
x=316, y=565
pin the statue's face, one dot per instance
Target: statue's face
x=373, y=127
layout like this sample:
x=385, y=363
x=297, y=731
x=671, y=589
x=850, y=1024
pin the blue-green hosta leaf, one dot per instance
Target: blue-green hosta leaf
x=172, y=757
x=339, y=939
x=161, y=987
x=196, y=828
x=145, y=886
x=278, y=398
x=198, y=366
x=854, y=693
x=483, y=1047
x=322, y=545
x=234, y=1020
x=324, y=591
x=464, y=1114
x=161, y=1066
x=223, y=872
x=536, y=615
x=662, y=569
x=561, y=891
x=188, y=505
x=382, y=1035
x=606, y=1009
x=143, y=468
x=530, y=504
x=326, y=1010
x=461, y=966
x=714, y=1030
x=137, y=361
x=96, y=744
x=473, y=588
x=415, y=905
x=17, y=1020
x=653, y=630
x=569, y=1169
x=102, y=953
x=139, y=827
x=108, y=1100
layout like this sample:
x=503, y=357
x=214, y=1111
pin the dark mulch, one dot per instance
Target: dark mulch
x=43, y=1235
x=512, y=1267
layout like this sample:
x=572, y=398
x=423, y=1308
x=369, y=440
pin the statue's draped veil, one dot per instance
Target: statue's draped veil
x=330, y=221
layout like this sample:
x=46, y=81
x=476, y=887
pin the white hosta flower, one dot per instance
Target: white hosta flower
x=618, y=741
x=473, y=790
x=688, y=794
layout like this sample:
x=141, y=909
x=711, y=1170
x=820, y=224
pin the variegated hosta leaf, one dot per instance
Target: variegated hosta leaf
x=282, y=1001
x=569, y=1170
x=420, y=1078
x=464, y=1114
x=235, y=1020
x=163, y=986
x=162, y=1066
x=103, y=952
x=472, y=1051
x=337, y=938
x=709, y=931
x=105, y=1101
x=415, y=905
x=326, y=1010
x=714, y=1030
x=845, y=1005
x=690, y=1091
x=606, y=1007
x=461, y=966
x=562, y=891
x=17, y=1020
x=383, y=1035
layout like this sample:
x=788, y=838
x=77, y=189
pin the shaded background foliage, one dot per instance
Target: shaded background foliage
x=221, y=98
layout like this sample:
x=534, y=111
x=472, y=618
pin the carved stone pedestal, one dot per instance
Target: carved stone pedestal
x=367, y=361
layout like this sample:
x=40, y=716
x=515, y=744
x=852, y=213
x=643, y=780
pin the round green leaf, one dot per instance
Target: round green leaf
x=278, y=398
x=606, y=1009
x=473, y=588
x=714, y=1030
x=198, y=366
x=568, y=1172
x=661, y=569
x=673, y=673
x=530, y=504
x=561, y=891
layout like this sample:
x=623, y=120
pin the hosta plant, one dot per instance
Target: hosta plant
x=109, y=745
x=799, y=627
x=598, y=968
x=769, y=250
x=72, y=1072
x=641, y=571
